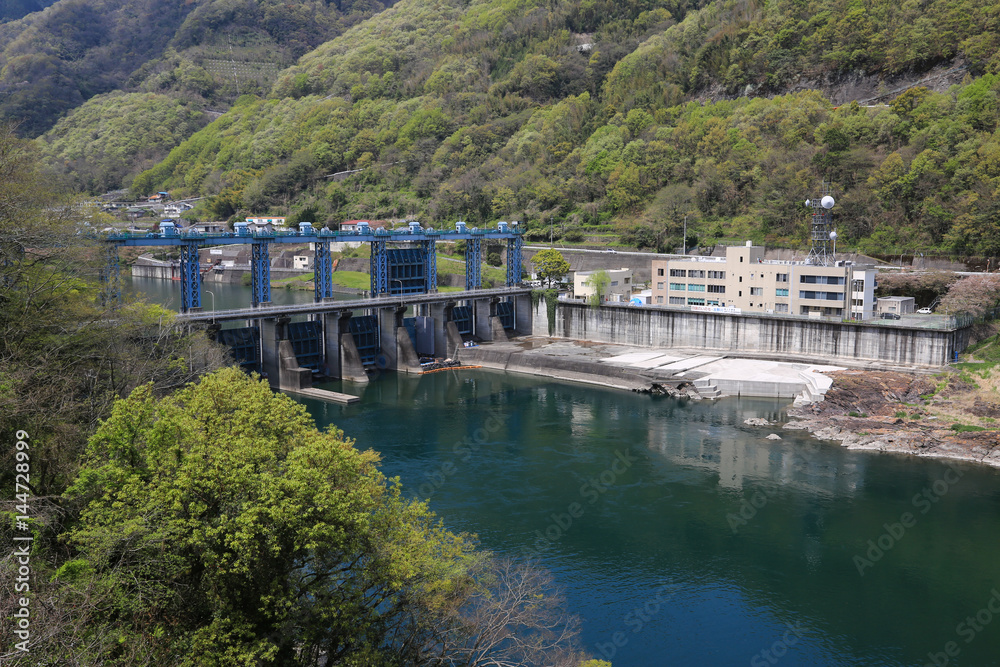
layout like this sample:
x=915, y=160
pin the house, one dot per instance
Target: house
x=354, y=226
x=351, y=226
x=619, y=289
x=293, y=259
x=159, y=196
x=273, y=221
x=303, y=259
x=743, y=280
x=209, y=227
x=266, y=227
x=174, y=210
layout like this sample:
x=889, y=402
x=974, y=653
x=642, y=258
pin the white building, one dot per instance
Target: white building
x=744, y=281
x=619, y=289
x=176, y=209
x=272, y=221
x=303, y=259
x=900, y=305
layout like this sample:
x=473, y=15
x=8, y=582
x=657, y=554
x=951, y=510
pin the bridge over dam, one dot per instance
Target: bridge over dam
x=351, y=339
x=401, y=261
x=342, y=339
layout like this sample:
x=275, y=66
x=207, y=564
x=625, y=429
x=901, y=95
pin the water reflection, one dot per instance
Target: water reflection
x=520, y=451
x=215, y=296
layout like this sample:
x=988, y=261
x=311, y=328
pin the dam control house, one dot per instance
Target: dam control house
x=743, y=281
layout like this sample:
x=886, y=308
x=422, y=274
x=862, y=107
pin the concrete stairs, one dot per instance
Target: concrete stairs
x=814, y=388
x=706, y=388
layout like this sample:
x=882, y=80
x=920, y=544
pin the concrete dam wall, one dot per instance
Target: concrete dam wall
x=788, y=338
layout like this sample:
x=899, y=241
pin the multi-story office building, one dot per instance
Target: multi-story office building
x=744, y=280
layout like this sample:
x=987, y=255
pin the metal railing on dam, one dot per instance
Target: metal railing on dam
x=382, y=301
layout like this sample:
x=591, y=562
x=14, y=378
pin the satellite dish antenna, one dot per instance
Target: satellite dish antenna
x=808, y=202
x=827, y=202
x=833, y=236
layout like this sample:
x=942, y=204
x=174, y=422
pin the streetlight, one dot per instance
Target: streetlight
x=213, y=302
x=397, y=280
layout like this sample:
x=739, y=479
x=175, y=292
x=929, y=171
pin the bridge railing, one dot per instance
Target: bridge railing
x=325, y=234
x=381, y=301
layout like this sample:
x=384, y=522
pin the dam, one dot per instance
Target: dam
x=879, y=342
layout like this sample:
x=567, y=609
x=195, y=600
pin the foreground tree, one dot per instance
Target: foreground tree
x=218, y=526
x=65, y=354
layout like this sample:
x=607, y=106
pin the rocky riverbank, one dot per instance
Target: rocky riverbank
x=909, y=414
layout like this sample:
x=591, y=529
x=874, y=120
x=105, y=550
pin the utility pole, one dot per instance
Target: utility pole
x=685, y=241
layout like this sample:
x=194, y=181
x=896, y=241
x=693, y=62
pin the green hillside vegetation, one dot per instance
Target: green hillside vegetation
x=209, y=51
x=110, y=138
x=739, y=46
x=11, y=10
x=446, y=116
x=578, y=114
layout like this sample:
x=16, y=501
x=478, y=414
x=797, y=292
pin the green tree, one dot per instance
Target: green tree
x=550, y=264
x=598, y=281
x=61, y=364
x=219, y=526
x=280, y=545
x=503, y=201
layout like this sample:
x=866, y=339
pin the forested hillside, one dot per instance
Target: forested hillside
x=11, y=10
x=208, y=51
x=110, y=138
x=582, y=117
x=578, y=118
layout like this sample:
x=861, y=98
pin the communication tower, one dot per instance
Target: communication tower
x=821, y=234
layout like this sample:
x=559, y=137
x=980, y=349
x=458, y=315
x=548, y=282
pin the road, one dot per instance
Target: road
x=627, y=253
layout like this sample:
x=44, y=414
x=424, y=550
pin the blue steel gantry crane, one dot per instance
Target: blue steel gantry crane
x=407, y=270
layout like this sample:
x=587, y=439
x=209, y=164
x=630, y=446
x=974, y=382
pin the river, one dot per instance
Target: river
x=681, y=536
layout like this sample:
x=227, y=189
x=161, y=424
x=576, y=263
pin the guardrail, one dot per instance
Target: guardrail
x=383, y=301
x=320, y=233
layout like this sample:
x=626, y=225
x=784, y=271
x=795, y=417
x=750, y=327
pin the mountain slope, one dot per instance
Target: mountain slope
x=739, y=47
x=575, y=115
x=106, y=141
x=11, y=10
x=209, y=50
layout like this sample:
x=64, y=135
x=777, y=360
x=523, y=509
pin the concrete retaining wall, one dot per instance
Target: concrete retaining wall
x=577, y=370
x=159, y=270
x=757, y=388
x=594, y=261
x=786, y=338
